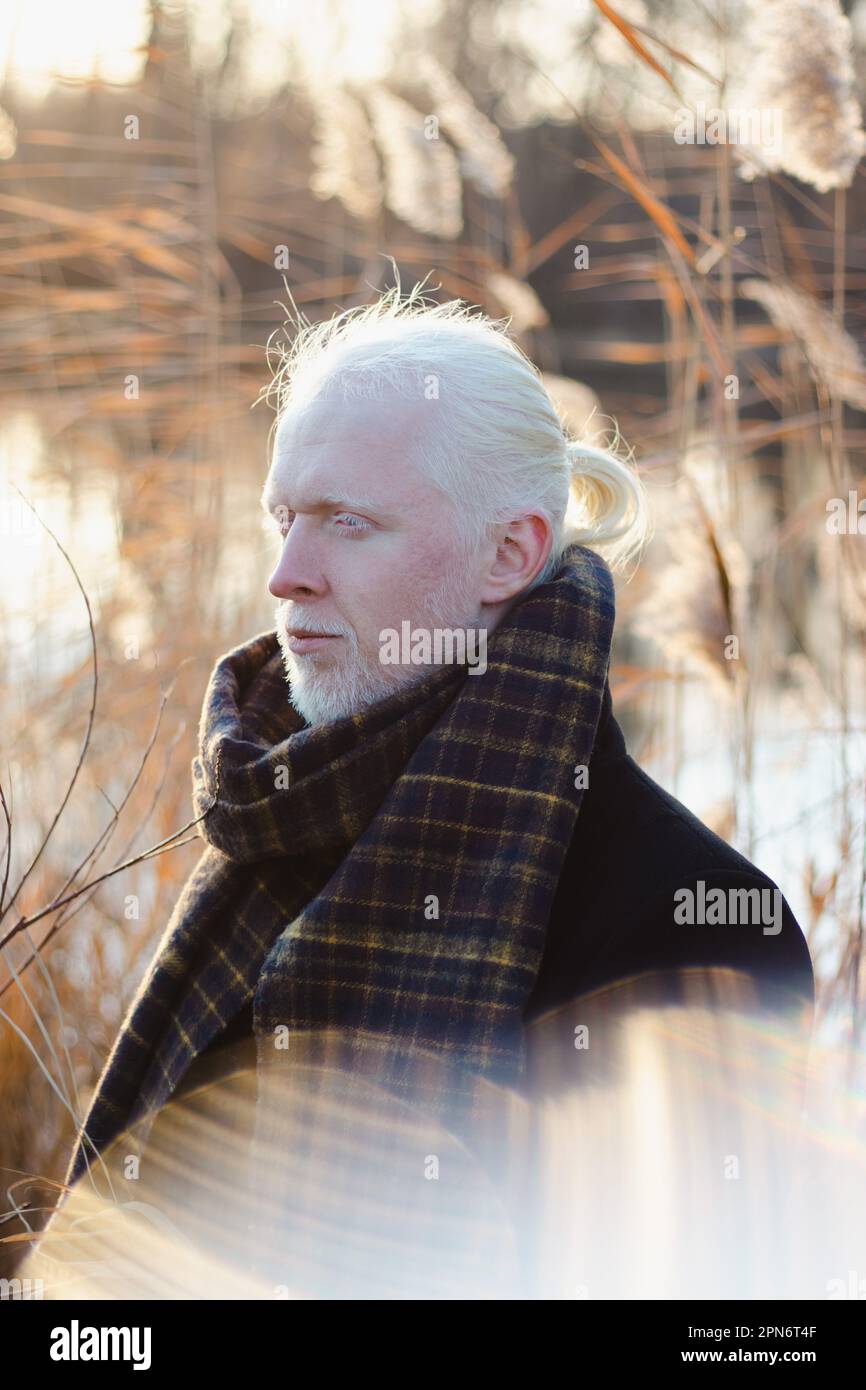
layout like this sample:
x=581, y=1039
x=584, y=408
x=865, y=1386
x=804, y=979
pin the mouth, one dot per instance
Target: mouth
x=303, y=640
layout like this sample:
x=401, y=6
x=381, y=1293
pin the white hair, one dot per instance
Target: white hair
x=499, y=449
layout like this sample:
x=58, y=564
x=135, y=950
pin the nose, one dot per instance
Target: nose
x=297, y=573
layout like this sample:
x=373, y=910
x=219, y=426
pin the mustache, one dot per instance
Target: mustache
x=309, y=623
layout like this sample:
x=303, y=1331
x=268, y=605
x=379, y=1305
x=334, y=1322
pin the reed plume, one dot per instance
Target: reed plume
x=798, y=63
x=831, y=353
x=576, y=404
x=695, y=605
x=422, y=176
x=484, y=159
x=518, y=299
x=8, y=135
x=343, y=154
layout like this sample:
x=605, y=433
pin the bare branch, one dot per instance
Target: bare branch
x=86, y=744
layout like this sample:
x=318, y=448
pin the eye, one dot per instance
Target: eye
x=351, y=523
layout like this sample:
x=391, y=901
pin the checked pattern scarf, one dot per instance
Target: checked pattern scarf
x=390, y=873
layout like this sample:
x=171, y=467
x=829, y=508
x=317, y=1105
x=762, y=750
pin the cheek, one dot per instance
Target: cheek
x=386, y=605
x=390, y=585
x=403, y=594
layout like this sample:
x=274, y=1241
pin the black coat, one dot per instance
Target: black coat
x=613, y=916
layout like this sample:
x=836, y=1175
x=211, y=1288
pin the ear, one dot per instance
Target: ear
x=522, y=549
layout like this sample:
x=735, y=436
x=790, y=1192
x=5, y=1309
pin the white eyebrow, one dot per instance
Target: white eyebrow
x=329, y=499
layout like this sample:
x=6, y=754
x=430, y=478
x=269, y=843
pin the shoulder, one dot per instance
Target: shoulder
x=646, y=886
x=636, y=812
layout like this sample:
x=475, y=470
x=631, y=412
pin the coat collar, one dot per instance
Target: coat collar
x=610, y=743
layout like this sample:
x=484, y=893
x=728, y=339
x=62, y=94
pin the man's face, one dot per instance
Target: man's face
x=368, y=542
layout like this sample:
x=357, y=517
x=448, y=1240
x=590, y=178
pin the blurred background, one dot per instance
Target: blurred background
x=174, y=177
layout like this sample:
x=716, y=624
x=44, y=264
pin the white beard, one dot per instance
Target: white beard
x=323, y=690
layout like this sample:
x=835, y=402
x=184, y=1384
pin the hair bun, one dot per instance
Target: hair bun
x=609, y=500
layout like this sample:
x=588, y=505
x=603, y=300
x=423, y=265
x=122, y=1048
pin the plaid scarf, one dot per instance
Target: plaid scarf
x=388, y=874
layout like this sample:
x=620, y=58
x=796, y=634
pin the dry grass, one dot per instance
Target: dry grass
x=139, y=283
